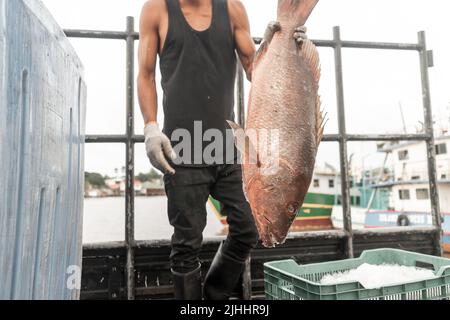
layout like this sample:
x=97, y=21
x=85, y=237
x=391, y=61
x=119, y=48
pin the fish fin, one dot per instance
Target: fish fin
x=320, y=121
x=244, y=144
x=311, y=56
x=300, y=9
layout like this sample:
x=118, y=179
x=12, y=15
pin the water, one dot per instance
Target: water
x=104, y=220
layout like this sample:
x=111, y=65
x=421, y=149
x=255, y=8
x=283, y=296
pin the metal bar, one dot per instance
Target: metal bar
x=347, y=216
x=394, y=231
x=129, y=200
x=99, y=34
x=431, y=152
x=326, y=138
x=375, y=137
x=120, y=35
x=246, y=275
x=241, y=93
x=388, y=137
x=334, y=234
x=258, y=40
x=106, y=139
x=362, y=44
x=247, y=280
x=381, y=45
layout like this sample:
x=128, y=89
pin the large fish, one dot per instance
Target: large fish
x=284, y=97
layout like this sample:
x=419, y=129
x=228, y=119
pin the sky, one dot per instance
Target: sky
x=379, y=85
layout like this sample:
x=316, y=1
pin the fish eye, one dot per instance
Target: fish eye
x=292, y=207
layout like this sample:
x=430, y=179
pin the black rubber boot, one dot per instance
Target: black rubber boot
x=188, y=286
x=223, y=277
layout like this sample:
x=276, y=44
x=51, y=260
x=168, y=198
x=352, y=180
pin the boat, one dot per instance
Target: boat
x=400, y=196
x=408, y=188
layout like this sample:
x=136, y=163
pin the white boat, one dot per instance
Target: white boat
x=408, y=188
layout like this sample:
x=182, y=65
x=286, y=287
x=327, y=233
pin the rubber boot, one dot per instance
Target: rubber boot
x=188, y=286
x=223, y=277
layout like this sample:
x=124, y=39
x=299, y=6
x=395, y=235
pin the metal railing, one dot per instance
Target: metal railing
x=130, y=138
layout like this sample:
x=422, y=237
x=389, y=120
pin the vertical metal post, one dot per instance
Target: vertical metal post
x=246, y=276
x=343, y=143
x=241, y=93
x=431, y=152
x=129, y=201
x=247, y=291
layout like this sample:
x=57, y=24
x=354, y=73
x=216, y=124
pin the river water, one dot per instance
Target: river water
x=104, y=220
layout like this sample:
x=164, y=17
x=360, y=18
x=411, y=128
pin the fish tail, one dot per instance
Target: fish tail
x=299, y=9
x=311, y=56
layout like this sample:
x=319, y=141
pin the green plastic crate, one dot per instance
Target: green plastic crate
x=286, y=280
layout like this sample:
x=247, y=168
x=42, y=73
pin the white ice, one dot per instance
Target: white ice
x=377, y=276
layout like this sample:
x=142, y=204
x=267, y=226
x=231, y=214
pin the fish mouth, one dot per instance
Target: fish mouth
x=269, y=236
x=272, y=240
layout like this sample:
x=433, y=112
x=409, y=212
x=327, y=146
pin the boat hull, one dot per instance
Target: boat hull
x=386, y=219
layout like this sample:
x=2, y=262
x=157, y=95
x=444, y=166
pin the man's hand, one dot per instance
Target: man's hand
x=300, y=35
x=272, y=28
x=159, y=149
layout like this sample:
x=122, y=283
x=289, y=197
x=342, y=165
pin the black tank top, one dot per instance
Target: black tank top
x=198, y=78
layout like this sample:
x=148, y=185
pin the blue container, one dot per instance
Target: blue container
x=42, y=125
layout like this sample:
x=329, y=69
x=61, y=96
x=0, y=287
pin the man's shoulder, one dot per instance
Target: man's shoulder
x=237, y=11
x=235, y=5
x=155, y=3
x=152, y=7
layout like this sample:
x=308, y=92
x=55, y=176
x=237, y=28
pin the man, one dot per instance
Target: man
x=197, y=42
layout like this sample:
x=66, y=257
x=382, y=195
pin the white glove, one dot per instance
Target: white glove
x=159, y=149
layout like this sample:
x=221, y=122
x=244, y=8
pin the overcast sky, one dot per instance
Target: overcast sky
x=376, y=82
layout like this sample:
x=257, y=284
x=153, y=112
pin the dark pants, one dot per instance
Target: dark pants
x=188, y=192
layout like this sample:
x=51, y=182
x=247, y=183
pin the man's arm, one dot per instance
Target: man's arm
x=242, y=36
x=158, y=146
x=148, y=51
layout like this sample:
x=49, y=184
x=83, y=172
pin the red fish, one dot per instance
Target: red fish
x=285, y=104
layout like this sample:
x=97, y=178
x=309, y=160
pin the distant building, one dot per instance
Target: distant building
x=94, y=192
x=153, y=188
x=114, y=186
